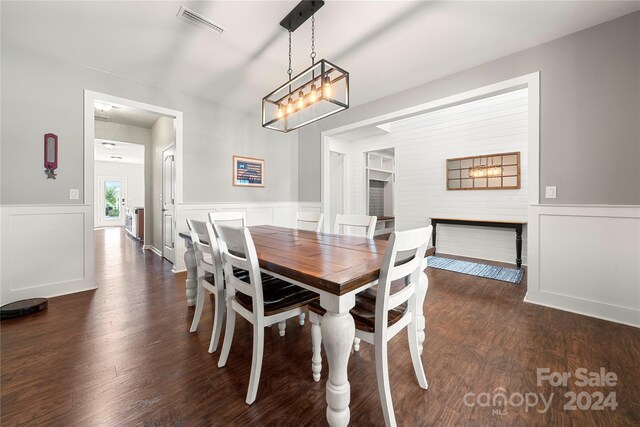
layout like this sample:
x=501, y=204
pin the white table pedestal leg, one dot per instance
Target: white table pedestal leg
x=338, y=332
x=192, y=273
x=421, y=293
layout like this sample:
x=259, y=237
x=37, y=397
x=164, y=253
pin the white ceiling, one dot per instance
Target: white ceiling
x=128, y=116
x=387, y=46
x=130, y=153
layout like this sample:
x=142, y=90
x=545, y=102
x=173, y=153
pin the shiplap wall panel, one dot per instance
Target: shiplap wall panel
x=422, y=143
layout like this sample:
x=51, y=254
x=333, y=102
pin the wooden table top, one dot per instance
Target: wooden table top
x=332, y=263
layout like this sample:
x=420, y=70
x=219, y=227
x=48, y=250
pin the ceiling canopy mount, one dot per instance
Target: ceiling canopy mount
x=299, y=15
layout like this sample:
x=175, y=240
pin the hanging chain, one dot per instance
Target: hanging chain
x=290, y=70
x=313, y=39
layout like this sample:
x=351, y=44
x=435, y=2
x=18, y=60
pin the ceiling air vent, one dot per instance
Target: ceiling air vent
x=195, y=18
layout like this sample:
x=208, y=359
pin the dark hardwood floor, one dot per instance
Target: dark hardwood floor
x=123, y=355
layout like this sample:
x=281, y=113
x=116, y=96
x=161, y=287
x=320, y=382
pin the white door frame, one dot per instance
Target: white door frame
x=99, y=210
x=90, y=97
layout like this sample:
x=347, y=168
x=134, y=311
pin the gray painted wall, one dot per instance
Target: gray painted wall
x=121, y=132
x=590, y=113
x=42, y=94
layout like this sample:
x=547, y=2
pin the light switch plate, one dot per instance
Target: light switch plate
x=74, y=194
x=550, y=192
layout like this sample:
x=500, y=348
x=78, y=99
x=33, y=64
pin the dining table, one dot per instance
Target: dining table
x=336, y=267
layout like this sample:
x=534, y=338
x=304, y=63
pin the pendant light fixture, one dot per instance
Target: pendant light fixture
x=318, y=92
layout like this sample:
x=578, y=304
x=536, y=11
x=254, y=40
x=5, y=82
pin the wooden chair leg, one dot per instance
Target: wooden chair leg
x=414, y=349
x=256, y=361
x=228, y=336
x=199, y=305
x=218, y=318
x=382, y=374
x=356, y=344
x=282, y=326
x=316, y=346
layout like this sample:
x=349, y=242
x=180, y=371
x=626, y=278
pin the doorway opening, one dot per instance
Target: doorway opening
x=397, y=165
x=112, y=196
x=125, y=180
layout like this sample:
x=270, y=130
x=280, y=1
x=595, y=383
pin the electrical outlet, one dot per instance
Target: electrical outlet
x=550, y=192
x=74, y=194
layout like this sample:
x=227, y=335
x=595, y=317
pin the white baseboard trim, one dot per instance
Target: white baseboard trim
x=152, y=249
x=584, y=259
x=611, y=313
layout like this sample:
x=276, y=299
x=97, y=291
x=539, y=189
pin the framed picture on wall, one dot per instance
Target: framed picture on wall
x=248, y=172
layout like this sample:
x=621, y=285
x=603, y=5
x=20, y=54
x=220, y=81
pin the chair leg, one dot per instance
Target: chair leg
x=256, y=362
x=316, y=346
x=356, y=344
x=220, y=305
x=228, y=336
x=282, y=326
x=382, y=374
x=414, y=349
x=301, y=318
x=199, y=305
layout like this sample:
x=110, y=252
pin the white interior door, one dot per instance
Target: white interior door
x=112, y=196
x=336, y=204
x=168, y=197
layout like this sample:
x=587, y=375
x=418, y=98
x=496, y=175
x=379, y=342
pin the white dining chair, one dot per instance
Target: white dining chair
x=239, y=219
x=310, y=221
x=209, y=278
x=236, y=218
x=379, y=318
x=364, y=222
x=263, y=301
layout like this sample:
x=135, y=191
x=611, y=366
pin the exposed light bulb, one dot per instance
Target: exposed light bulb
x=300, y=100
x=327, y=89
x=289, y=106
x=280, y=112
x=313, y=96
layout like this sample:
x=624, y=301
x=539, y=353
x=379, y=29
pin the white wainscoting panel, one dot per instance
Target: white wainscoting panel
x=45, y=251
x=586, y=259
x=282, y=214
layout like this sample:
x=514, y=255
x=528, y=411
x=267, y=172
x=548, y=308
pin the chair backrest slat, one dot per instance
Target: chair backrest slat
x=310, y=221
x=238, y=250
x=365, y=222
x=238, y=219
x=404, y=269
x=206, y=248
x=411, y=245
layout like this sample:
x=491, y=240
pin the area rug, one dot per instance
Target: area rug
x=510, y=275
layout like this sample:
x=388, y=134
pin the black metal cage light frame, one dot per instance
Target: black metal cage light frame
x=318, y=92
